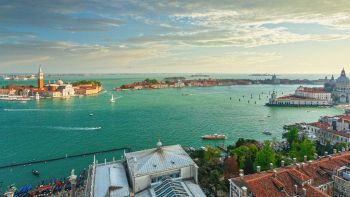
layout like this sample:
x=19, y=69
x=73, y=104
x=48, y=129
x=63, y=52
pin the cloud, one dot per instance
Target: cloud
x=154, y=35
x=71, y=16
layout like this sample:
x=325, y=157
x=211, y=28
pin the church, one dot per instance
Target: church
x=340, y=88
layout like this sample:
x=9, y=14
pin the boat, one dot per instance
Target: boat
x=112, y=99
x=35, y=173
x=91, y=114
x=267, y=133
x=214, y=137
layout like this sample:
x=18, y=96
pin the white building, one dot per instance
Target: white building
x=316, y=93
x=161, y=171
x=326, y=132
x=303, y=96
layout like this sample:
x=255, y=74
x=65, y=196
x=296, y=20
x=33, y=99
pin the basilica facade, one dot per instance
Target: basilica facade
x=340, y=88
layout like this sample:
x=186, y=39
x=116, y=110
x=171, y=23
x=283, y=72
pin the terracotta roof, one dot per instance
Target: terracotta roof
x=322, y=125
x=312, y=90
x=298, y=175
x=282, y=182
x=312, y=192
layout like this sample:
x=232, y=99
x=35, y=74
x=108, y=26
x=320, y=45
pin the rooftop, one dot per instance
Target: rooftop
x=157, y=159
x=321, y=125
x=111, y=179
x=311, y=90
x=282, y=181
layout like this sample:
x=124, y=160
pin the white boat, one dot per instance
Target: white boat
x=112, y=99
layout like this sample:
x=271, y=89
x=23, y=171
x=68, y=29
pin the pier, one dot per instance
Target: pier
x=65, y=157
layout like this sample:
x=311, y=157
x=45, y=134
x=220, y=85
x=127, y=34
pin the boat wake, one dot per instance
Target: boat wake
x=76, y=128
x=22, y=109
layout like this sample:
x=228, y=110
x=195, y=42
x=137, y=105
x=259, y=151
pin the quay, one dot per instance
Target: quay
x=65, y=157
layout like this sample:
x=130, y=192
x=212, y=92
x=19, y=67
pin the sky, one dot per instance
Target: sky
x=178, y=36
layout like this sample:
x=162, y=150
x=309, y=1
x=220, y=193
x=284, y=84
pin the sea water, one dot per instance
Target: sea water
x=52, y=128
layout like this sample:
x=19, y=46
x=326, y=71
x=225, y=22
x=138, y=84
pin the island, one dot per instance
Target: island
x=180, y=82
x=55, y=89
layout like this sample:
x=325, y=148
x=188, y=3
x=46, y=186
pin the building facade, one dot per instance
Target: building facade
x=303, y=96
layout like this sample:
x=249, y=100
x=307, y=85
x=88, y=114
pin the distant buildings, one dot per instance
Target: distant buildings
x=330, y=130
x=54, y=90
x=326, y=176
x=303, y=96
x=161, y=171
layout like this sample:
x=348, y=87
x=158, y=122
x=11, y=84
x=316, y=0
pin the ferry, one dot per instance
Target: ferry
x=214, y=137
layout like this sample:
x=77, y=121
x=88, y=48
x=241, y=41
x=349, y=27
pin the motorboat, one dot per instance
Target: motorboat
x=35, y=172
x=112, y=99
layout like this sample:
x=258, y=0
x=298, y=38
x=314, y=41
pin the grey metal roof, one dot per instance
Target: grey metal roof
x=171, y=188
x=157, y=160
x=111, y=179
x=195, y=189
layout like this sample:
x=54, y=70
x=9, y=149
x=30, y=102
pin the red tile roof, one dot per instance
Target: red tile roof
x=282, y=182
x=312, y=90
x=322, y=125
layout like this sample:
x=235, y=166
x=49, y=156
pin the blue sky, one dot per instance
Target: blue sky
x=183, y=36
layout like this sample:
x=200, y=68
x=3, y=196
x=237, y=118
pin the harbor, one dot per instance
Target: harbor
x=66, y=127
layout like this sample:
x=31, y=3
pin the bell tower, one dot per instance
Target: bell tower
x=40, y=79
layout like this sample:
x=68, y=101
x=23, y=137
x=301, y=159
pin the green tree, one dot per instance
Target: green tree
x=265, y=156
x=306, y=148
x=211, y=153
x=291, y=136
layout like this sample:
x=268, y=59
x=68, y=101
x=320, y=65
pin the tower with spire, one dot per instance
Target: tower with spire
x=40, y=79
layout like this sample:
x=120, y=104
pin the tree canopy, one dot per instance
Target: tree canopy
x=265, y=156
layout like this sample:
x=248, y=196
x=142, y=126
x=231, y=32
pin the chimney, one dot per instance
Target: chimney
x=241, y=173
x=304, y=191
x=316, y=156
x=244, y=191
x=305, y=158
x=271, y=166
x=325, y=153
x=334, y=151
x=343, y=149
x=258, y=169
x=274, y=173
x=282, y=163
x=346, y=148
x=294, y=160
x=296, y=189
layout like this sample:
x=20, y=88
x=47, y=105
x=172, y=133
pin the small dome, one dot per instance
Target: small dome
x=159, y=144
x=343, y=78
x=60, y=82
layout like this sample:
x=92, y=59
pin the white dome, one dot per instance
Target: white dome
x=60, y=82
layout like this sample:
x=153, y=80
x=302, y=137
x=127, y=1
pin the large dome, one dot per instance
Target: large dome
x=343, y=78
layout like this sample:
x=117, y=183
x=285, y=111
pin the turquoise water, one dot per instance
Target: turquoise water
x=54, y=128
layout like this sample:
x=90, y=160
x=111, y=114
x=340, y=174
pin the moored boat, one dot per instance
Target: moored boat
x=214, y=137
x=267, y=133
